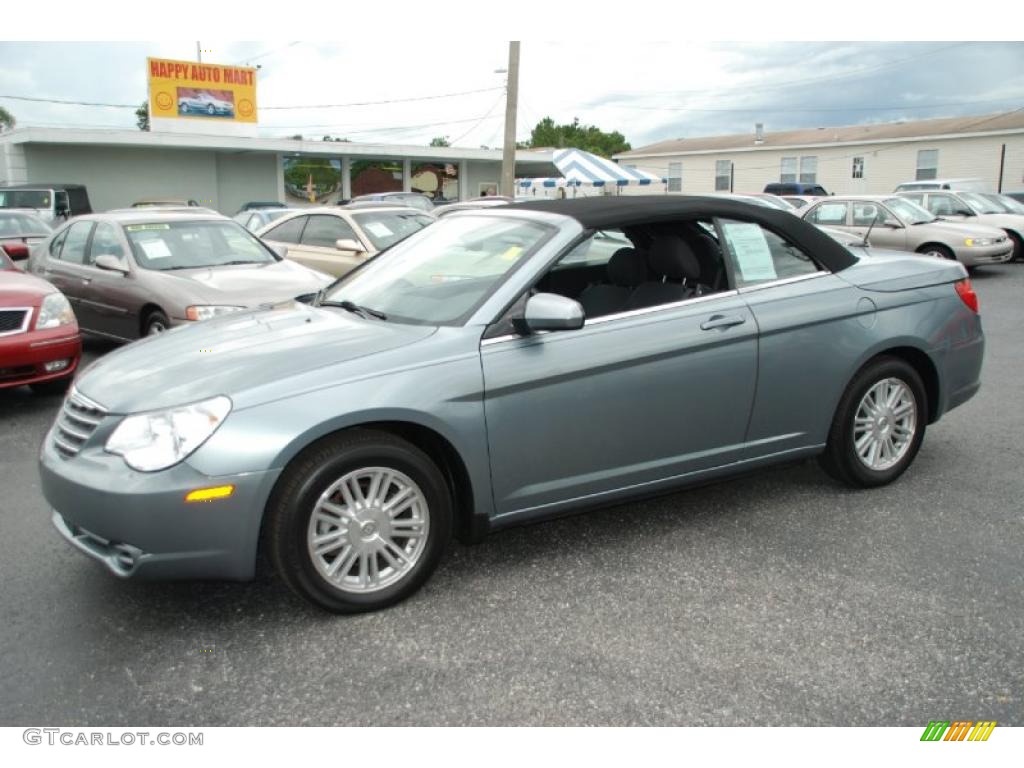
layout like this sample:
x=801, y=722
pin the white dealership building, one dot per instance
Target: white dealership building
x=847, y=160
x=223, y=172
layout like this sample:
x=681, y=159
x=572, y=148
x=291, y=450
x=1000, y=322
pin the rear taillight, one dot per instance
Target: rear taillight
x=967, y=294
x=16, y=250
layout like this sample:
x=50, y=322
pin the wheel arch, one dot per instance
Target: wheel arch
x=470, y=520
x=146, y=310
x=921, y=362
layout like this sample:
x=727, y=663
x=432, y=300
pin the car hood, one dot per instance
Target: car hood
x=883, y=270
x=237, y=353
x=249, y=285
x=957, y=229
x=1013, y=221
x=19, y=288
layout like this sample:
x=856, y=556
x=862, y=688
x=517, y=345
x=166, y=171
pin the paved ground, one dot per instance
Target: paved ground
x=779, y=599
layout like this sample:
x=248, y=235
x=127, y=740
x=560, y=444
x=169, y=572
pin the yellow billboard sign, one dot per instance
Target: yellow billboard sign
x=192, y=89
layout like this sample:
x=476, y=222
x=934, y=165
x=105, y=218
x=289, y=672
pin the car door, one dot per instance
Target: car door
x=109, y=299
x=886, y=230
x=317, y=247
x=286, y=233
x=64, y=266
x=810, y=334
x=630, y=401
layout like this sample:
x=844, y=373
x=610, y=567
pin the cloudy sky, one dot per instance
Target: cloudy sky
x=648, y=91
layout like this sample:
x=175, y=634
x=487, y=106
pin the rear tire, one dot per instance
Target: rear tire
x=332, y=531
x=884, y=409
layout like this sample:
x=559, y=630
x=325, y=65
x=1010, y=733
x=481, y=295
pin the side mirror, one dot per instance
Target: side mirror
x=893, y=224
x=280, y=250
x=111, y=263
x=551, y=312
x=347, y=244
x=963, y=212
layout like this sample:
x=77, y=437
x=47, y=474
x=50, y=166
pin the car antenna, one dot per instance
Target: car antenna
x=867, y=234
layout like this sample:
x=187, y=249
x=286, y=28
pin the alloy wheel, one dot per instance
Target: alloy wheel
x=368, y=529
x=885, y=424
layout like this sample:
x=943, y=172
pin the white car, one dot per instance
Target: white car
x=204, y=103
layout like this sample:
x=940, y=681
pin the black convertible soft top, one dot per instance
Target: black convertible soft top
x=624, y=211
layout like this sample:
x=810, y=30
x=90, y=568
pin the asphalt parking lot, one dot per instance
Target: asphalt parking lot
x=779, y=598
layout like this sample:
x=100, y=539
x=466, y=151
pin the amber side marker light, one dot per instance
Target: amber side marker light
x=209, y=494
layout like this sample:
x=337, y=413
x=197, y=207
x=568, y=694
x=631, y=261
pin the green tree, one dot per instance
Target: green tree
x=7, y=121
x=440, y=141
x=589, y=138
x=142, y=116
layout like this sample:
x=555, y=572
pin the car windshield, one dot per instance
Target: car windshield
x=979, y=203
x=775, y=202
x=25, y=198
x=442, y=273
x=385, y=228
x=1006, y=204
x=22, y=224
x=909, y=211
x=191, y=244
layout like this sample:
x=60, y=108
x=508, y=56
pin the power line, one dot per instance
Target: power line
x=268, y=53
x=293, y=106
x=480, y=121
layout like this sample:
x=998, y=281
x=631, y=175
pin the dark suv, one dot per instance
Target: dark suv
x=795, y=188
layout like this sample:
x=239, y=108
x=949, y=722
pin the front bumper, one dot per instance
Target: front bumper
x=985, y=254
x=24, y=355
x=139, y=525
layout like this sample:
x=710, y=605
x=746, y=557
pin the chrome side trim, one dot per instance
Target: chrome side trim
x=784, y=281
x=25, y=323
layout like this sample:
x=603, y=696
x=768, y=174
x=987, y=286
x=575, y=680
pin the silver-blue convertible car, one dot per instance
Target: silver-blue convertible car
x=500, y=367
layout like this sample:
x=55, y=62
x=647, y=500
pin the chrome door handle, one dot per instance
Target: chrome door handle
x=722, y=321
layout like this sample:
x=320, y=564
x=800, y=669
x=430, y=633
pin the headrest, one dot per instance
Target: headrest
x=627, y=268
x=672, y=257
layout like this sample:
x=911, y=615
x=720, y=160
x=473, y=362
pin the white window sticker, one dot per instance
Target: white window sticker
x=753, y=256
x=155, y=249
x=380, y=230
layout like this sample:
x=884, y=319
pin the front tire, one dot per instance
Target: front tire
x=156, y=323
x=358, y=521
x=1018, y=247
x=938, y=251
x=878, y=426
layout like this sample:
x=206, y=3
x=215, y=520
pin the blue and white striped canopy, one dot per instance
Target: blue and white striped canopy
x=579, y=167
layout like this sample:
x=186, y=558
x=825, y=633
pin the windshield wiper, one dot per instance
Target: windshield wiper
x=237, y=261
x=353, y=307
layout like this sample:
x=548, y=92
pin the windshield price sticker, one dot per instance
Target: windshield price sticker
x=144, y=227
x=380, y=230
x=155, y=249
x=753, y=256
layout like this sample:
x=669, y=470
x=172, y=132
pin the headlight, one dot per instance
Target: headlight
x=160, y=439
x=973, y=241
x=54, y=312
x=206, y=311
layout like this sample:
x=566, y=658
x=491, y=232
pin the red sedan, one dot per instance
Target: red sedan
x=39, y=340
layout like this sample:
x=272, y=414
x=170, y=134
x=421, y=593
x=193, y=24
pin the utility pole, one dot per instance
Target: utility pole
x=508, y=158
x=199, y=52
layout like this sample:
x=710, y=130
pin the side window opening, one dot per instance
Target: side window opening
x=646, y=266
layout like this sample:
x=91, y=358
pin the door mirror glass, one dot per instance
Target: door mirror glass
x=551, y=312
x=111, y=263
x=279, y=249
x=348, y=244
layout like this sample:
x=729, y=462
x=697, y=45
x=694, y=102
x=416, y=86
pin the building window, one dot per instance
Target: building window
x=858, y=167
x=809, y=169
x=927, y=164
x=788, y=173
x=723, y=176
x=675, y=177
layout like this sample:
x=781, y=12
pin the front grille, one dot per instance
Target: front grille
x=77, y=421
x=13, y=320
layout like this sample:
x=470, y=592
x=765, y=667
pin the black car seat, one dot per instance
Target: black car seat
x=712, y=267
x=627, y=268
x=672, y=258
